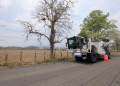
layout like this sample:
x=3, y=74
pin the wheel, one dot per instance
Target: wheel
x=78, y=58
x=109, y=56
x=92, y=57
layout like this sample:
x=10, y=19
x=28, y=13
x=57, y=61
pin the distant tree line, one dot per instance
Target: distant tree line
x=29, y=48
x=23, y=48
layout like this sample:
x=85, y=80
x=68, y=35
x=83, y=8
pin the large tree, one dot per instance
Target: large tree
x=96, y=24
x=116, y=40
x=54, y=16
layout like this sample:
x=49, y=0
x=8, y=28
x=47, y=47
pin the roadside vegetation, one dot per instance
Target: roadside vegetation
x=15, y=64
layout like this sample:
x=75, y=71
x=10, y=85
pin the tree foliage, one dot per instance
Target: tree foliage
x=54, y=16
x=116, y=40
x=96, y=24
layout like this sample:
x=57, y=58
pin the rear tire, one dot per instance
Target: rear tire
x=93, y=57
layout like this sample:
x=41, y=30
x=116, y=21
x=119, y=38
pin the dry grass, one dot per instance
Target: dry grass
x=14, y=64
x=115, y=53
x=29, y=55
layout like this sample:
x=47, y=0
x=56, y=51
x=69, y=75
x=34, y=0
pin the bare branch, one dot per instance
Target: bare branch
x=30, y=29
x=59, y=41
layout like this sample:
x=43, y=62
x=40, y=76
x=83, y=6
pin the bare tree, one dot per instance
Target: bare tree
x=55, y=18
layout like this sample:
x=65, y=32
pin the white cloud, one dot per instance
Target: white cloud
x=84, y=7
x=23, y=17
x=5, y=3
x=29, y=5
x=116, y=16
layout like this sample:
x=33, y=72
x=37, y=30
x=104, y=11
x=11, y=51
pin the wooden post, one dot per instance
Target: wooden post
x=44, y=55
x=21, y=56
x=35, y=55
x=5, y=55
x=67, y=54
x=72, y=55
x=6, y=58
x=61, y=55
x=54, y=54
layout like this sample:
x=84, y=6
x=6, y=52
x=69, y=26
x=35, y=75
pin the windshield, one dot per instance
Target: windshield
x=75, y=42
x=71, y=42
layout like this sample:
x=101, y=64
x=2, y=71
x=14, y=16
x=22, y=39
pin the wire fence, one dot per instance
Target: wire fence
x=30, y=55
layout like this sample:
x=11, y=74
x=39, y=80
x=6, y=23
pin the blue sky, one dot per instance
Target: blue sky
x=14, y=10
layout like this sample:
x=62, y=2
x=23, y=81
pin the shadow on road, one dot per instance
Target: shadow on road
x=84, y=61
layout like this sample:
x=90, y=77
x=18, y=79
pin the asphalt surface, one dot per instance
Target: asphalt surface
x=69, y=73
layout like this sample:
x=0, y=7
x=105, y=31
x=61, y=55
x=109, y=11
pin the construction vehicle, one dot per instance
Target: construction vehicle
x=91, y=48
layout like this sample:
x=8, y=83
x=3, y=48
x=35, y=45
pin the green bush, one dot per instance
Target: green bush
x=46, y=61
x=19, y=64
x=37, y=61
x=111, y=50
x=12, y=64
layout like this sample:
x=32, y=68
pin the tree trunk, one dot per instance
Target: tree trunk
x=52, y=37
x=117, y=48
x=117, y=45
x=51, y=50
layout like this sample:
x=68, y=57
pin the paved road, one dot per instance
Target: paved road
x=69, y=73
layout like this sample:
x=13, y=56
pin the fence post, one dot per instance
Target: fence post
x=21, y=56
x=35, y=55
x=5, y=55
x=67, y=54
x=54, y=54
x=6, y=58
x=44, y=55
x=61, y=54
x=72, y=55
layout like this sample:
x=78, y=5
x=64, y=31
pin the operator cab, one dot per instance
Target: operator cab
x=76, y=42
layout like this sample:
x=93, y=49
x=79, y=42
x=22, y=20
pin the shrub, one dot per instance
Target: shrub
x=111, y=50
x=12, y=64
x=19, y=64
x=37, y=61
x=46, y=61
x=6, y=63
